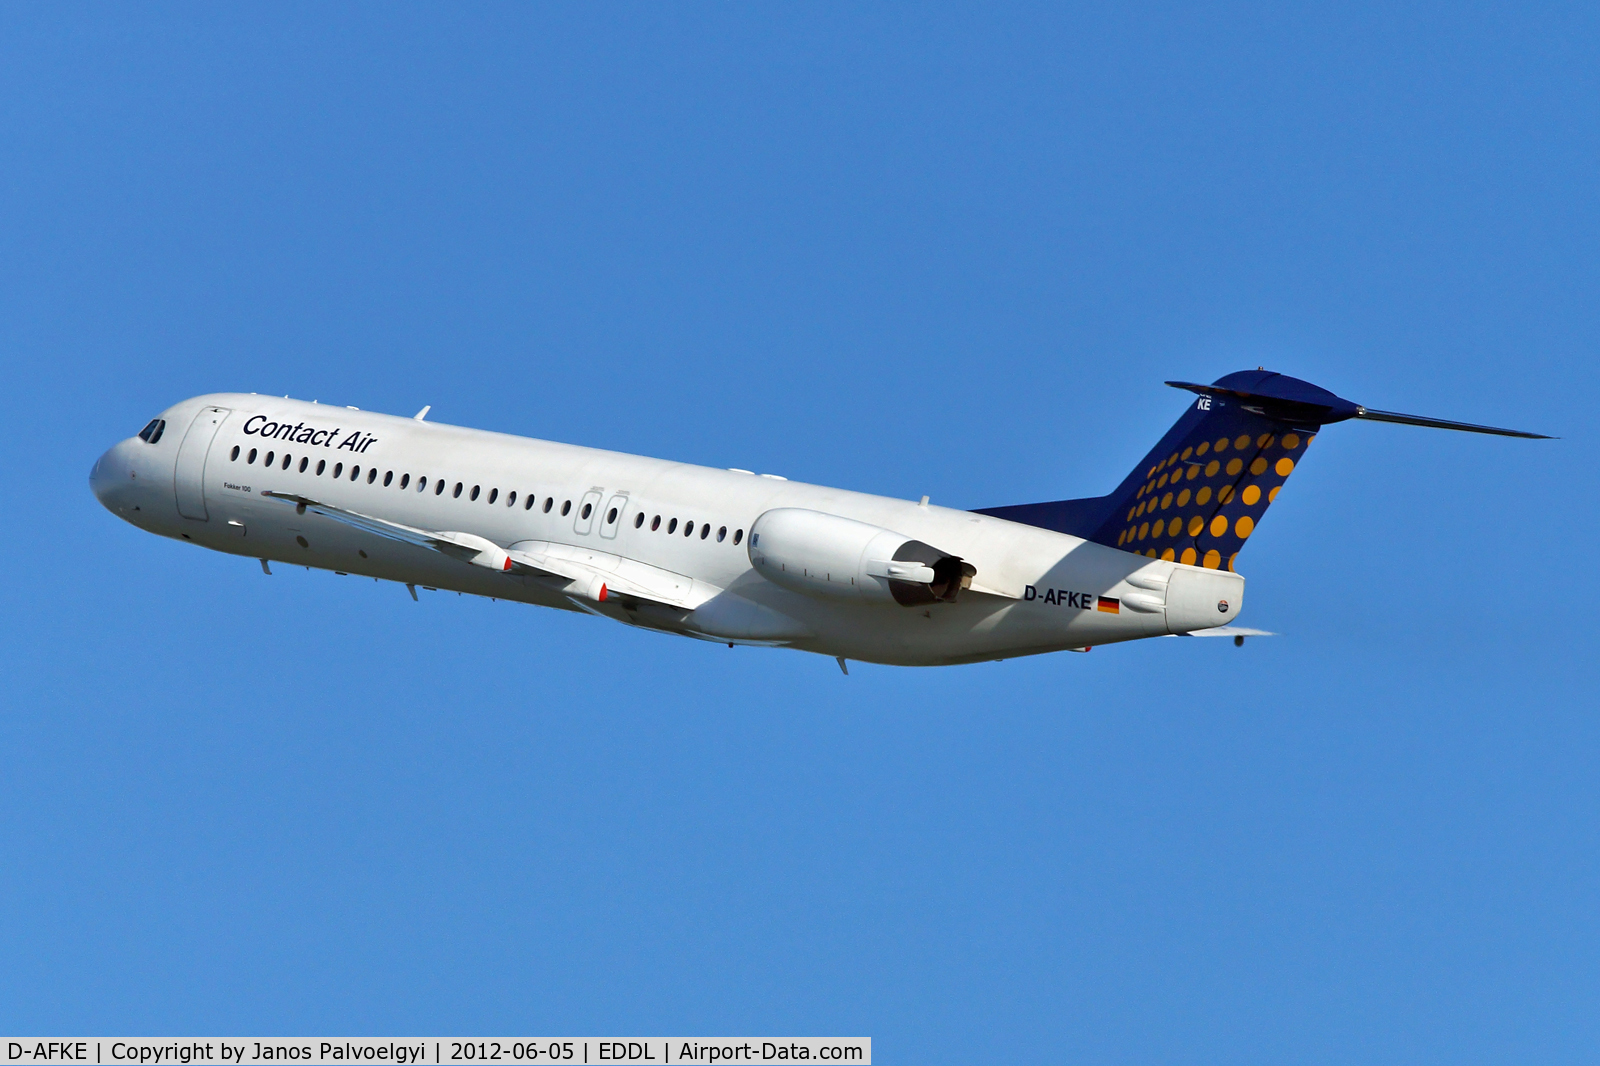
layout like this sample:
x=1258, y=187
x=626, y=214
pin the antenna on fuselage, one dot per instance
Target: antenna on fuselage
x=422, y=414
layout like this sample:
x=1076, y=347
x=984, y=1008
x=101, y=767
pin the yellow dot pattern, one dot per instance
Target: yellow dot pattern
x=1212, y=520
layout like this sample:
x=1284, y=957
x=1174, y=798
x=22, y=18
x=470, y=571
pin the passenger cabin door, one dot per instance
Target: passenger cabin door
x=189, y=476
x=611, y=517
x=586, y=512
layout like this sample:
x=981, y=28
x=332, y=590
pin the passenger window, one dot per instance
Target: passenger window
x=672, y=526
x=322, y=464
x=287, y=460
x=422, y=483
x=405, y=480
x=638, y=520
x=722, y=533
x=303, y=464
x=494, y=494
x=338, y=470
x=511, y=498
x=738, y=535
x=456, y=495
x=474, y=495
x=388, y=477
x=565, y=507
x=268, y=460
x=438, y=487
x=705, y=530
x=549, y=502
x=611, y=516
x=655, y=523
x=251, y=458
x=372, y=475
x=355, y=472
x=533, y=498
x=587, y=509
x=688, y=529
x=144, y=434
x=234, y=458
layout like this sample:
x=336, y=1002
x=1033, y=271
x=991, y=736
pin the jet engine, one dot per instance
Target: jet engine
x=827, y=556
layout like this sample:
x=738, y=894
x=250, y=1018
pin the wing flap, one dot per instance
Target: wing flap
x=588, y=572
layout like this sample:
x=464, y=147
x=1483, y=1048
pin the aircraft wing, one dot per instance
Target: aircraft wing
x=585, y=577
x=464, y=546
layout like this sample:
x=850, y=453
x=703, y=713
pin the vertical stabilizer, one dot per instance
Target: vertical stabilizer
x=1201, y=492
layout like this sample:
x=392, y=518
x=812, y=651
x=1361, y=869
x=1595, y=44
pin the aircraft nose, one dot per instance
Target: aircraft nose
x=109, y=476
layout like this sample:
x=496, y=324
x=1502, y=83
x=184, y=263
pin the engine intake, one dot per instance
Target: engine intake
x=824, y=555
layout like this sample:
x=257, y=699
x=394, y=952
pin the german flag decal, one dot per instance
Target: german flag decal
x=1109, y=604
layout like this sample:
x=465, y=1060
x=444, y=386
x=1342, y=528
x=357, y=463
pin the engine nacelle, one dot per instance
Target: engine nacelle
x=837, y=558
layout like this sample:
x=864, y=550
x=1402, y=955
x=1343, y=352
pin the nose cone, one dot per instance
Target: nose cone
x=97, y=479
x=112, y=480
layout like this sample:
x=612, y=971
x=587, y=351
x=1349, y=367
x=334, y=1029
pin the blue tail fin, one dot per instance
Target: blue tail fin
x=1201, y=491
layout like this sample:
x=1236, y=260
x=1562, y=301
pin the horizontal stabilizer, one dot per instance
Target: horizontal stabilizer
x=1287, y=399
x=1440, y=423
x=1225, y=631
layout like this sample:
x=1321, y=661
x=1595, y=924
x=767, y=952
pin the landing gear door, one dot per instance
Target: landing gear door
x=611, y=517
x=189, y=476
x=586, y=512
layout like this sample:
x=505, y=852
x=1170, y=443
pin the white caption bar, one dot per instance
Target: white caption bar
x=432, y=1050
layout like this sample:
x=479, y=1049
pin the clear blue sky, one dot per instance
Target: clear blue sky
x=906, y=250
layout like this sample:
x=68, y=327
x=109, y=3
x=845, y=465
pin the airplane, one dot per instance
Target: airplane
x=730, y=555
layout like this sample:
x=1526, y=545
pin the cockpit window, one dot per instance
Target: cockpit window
x=152, y=433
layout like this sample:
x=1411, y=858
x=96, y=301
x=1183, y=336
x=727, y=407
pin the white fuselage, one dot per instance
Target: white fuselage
x=1033, y=591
